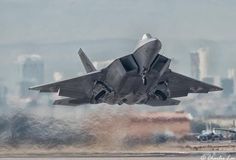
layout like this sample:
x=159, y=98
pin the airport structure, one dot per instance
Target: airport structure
x=145, y=124
x=149, y=127
x=222, y=120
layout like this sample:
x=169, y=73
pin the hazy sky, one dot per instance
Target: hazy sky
x=34, y=26
x=43, y=21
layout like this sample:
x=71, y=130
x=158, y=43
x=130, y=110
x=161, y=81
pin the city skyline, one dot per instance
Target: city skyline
x=73, y=27
x=55, y=30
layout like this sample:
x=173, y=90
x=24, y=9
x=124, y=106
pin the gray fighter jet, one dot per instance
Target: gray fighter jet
x=143, y=77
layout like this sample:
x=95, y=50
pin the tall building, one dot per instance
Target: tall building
x=199, y=64
x=232, y=75
x=209, y=80
x=227, y=84
x=195, y=72
x=32, y=74
x=3, y=96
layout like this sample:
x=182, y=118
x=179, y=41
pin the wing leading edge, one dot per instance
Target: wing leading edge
x=79, y=88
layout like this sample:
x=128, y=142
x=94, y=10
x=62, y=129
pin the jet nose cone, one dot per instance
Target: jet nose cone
x=146, y=36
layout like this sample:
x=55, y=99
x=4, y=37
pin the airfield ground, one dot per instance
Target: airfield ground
x=177, y=151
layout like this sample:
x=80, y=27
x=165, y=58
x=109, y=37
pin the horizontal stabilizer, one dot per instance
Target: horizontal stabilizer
x=88, y=65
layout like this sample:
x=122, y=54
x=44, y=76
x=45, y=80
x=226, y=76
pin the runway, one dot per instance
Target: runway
x=107, y=158
x=127, y=156
x=193, y=151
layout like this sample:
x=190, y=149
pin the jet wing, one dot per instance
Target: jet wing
x=226, y=130
x=79, y=87
x=180, y=85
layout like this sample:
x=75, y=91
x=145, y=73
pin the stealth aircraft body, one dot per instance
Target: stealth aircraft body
x=142, y=77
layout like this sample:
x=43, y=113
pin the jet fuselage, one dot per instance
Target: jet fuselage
x=134, y=78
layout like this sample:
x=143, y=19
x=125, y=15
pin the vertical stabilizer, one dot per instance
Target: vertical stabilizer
x=88, y=65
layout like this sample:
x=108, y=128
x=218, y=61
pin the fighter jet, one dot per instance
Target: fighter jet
x=231, y=130
x=210, y=136
x=142, y=77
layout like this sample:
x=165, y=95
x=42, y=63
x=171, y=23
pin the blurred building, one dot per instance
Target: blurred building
x=138, y=127
x=195, y=72
x=199, y=64
x=152, y=123
x=232, y=75
x=228, y=86
x=32, y=74
x=222, y=120
x=3, y=96
x=209, y=80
